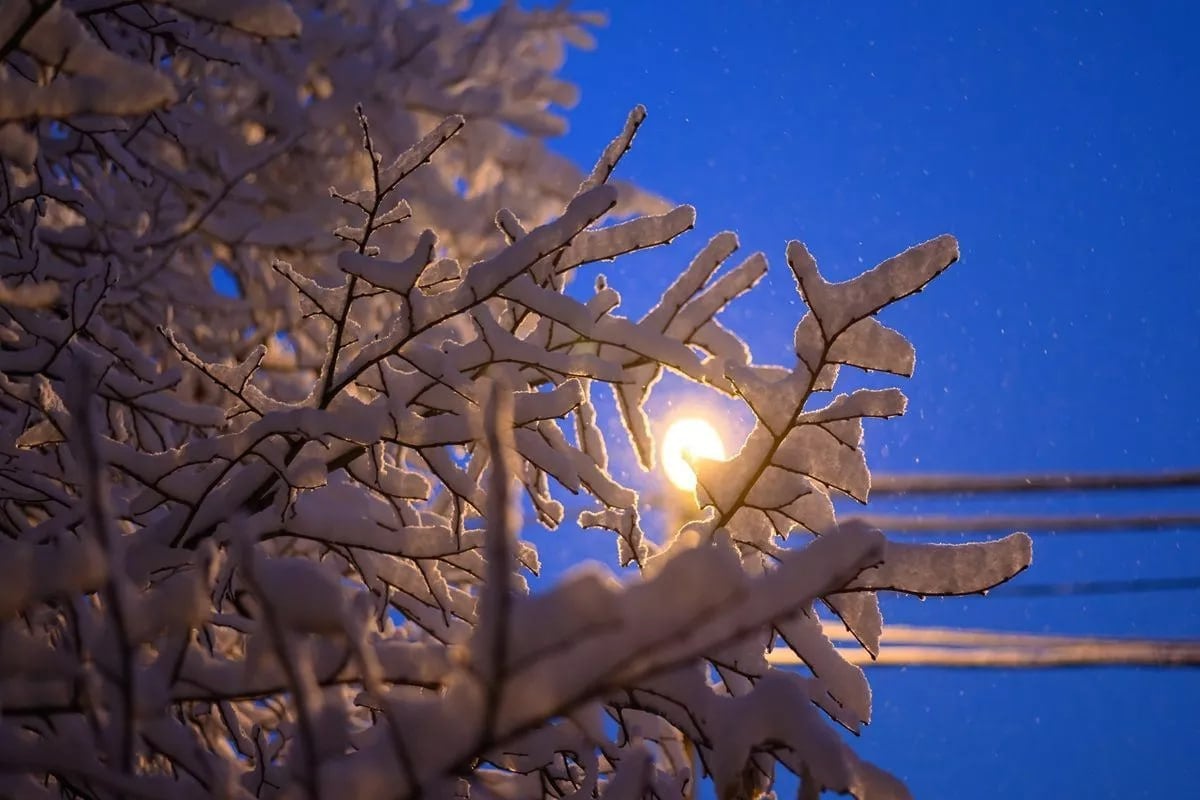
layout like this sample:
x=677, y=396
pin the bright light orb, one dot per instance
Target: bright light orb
x=697, y=439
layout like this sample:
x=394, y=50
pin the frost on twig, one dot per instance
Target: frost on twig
x=264, y=541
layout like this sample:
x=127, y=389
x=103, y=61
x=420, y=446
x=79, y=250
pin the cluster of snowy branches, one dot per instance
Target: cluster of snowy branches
x=269, y=544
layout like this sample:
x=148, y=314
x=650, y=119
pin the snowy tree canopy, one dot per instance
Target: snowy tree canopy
x=268, y=544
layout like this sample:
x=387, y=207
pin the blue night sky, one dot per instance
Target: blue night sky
x=1060, y=146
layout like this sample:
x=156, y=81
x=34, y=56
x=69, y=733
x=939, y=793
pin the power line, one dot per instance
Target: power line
x=947, y=523
x=909, y=646
x=897, y=634
x=1079, y=588
x=937, y=647
x=1147, y=654
x=1051, y=482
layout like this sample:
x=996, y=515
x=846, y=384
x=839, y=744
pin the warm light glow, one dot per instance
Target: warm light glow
x=694, y=437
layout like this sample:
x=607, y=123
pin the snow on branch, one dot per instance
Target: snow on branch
x=266, y=445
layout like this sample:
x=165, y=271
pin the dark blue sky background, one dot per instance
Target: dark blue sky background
x=1060, y=146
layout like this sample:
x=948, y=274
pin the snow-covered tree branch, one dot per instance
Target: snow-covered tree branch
x=267, y=541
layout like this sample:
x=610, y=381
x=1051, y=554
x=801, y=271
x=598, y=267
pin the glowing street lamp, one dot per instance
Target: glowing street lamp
x=689, y=437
